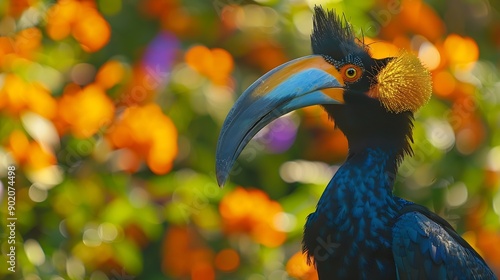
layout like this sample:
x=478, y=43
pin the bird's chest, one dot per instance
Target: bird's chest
x=351, y=240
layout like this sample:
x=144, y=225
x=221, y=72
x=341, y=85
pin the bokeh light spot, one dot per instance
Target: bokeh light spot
x=440, y=134
x=107, y=232
x=457, y=194
x=34, y=252
x=496, y=204
x=493, y=159
x=37, y=194
x=91, y=237
x=75, y=268
x=309, y=172
x=429, y=55
x=302, y=21
x=82, y=73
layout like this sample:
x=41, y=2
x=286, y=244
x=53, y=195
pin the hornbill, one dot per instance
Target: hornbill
x=359, y=230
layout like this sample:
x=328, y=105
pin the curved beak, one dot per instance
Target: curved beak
x=299, y=83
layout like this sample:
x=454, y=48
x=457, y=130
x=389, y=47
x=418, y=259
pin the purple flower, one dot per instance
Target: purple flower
x=160, y=55
x=279, y=135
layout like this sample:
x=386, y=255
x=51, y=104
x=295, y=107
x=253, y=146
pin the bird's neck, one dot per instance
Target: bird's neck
x=354, y=213
x=356, y=208
x=366, y=178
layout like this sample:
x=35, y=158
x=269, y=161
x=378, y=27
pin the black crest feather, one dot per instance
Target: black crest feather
x=333, y=36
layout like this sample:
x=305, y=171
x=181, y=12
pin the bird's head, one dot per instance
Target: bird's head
x=371, y=100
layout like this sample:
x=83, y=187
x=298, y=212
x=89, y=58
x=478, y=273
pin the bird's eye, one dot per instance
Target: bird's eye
x=351, y=73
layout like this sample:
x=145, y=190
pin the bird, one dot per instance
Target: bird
x=359, y=229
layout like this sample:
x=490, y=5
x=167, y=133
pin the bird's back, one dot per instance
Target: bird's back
x=425, y=246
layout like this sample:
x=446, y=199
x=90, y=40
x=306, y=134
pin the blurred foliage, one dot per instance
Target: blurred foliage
x=110, y=112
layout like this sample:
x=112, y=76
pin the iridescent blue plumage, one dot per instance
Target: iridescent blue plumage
x=425, y=246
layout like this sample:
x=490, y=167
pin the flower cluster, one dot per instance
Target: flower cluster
x=81, y=107
x=252, y=212
x=80, y=19
x=148, y=134
x=28, y=153
x=18, y=96
x=83, y=111
x=216, y=64
x=185, y=254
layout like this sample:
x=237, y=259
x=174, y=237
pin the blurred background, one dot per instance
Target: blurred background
x=110, y=112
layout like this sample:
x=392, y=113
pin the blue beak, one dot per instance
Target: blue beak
x=296, y=84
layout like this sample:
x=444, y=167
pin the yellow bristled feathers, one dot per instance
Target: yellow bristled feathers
x=404, y=84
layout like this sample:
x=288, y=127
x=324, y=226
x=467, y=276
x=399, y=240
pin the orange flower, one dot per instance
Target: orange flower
x=241, y=216
x=409, y=16
x=443, y=83
x=24, y=44
x=110, y=74
x=461, y=50
x=420, y=18
x=216, y=64
x=18, y=96
x=184, y=254
x=17, y=7
x=298, y=268
x=18, y=146
x=148, y=133
x=381, y=49
x=28, y=41
x=60, y=18
x=485, y=240
x=85, y=110
x=92, y=31
x=227, y=260
x=29, y=153
x=82, y=20
x=7, y=46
